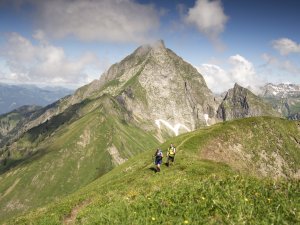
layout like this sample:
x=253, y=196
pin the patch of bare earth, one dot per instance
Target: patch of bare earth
x=114, y=153
x=84, y=138
x=265, y=164
x=233, y=155
x=71, y=218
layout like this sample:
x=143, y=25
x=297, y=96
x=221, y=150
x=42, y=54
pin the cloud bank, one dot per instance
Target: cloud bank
x=208, y=17
x=241, y=71
x=95, y=20
x=43, y=63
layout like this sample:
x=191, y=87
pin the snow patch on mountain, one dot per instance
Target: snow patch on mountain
x=281, y=90
x=174, y=128
x=206, y=118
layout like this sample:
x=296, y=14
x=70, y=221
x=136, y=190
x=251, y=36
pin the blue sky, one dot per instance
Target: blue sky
x=71, y=42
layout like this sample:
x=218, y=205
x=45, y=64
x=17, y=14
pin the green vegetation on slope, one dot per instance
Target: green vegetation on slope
x=68, y=157
x=193, y=191
x=14, y=120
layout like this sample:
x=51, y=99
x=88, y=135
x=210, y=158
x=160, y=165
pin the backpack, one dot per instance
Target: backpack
x=159, y=154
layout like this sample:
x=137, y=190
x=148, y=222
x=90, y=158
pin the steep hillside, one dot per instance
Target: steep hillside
x=29, y=120
x=67, y=152
x=202, y=187
x=239, y=102
x=11, y=122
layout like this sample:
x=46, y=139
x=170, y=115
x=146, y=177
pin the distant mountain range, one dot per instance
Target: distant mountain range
x=284, y=98
x=15, y=96
x=281, y=90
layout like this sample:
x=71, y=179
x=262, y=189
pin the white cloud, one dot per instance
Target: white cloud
x=43, y=63
x=286, y=46
x=97, y=20
x=209, y=18
x=242, y=72
x=216, y=78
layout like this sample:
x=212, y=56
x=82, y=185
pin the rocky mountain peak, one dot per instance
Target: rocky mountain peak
x=239, y=102
x=237, y=86
x=161, y=90
x=145, y=49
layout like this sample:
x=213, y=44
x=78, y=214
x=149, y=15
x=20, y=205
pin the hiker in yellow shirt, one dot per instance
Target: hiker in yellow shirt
x=171, y=154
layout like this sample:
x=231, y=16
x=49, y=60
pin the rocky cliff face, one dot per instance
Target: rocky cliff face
x=239, y=102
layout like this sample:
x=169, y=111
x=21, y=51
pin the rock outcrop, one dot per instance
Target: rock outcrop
x=239, y=102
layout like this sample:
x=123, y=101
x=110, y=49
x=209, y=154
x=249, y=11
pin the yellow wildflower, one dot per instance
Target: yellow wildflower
x=186, y=222
x=153, y=218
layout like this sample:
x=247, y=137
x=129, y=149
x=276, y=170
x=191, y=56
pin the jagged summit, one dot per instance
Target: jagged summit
x=237, y=86
x=239, y=102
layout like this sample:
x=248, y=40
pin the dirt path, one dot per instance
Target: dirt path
x=185, y=140
x=71, y=218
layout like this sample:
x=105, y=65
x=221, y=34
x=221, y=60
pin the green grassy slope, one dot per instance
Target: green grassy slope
x=55, y=159
x=192, y=191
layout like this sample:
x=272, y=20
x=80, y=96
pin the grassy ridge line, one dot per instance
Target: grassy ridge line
x=193, y=191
